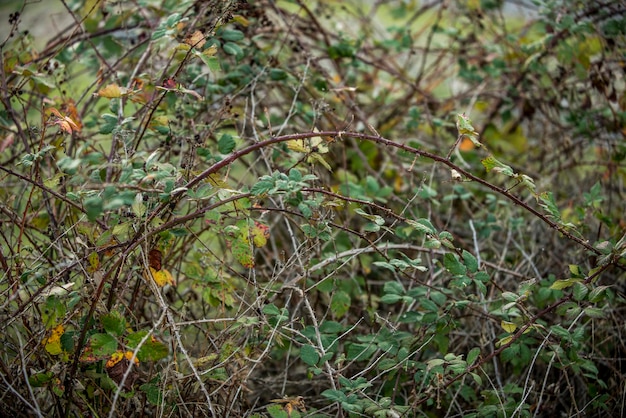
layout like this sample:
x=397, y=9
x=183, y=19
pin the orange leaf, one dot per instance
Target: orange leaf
x=65, y=122
x=70, y=109
x=466, y=144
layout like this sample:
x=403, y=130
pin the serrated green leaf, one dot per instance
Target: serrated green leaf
x=309, y=355
x=580, y=291
x=102, y=344
x=429, y=305
x=563, y=284
x=548, y=203
x=422, y=225
x=270, y=309
x=597, y=294
x=113, y=323
x=226, y=144
x=470, y=261
x=453, y=265
x=334, y=395
x=492, y=164
x=393, y=287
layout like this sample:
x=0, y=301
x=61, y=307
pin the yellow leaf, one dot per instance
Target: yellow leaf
x=210, y=51
x=504, y=341
x=111, y=91
x=297, y=145
x=129, y=355
x=241, y=20
x=161, y=277
x=315, y=144
x=52, y=344
x=114, y=359
x=508, y=326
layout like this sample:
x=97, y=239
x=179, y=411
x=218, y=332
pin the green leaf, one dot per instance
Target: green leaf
x=242, y=249
x=309, y=355
x=264, y=185
x=40, y=379
x=173, y=19
x=113, y=323
x=110, y=123
x=477, y=379
x=580, y=291
x=226, y=144
x=465, y=128
x=277, y=74
x=232, y=35
x=492, y=164
x=453, y=265
x=393, y=288
x=340, y=303
x=470, y=261
x=335, y=395
x=597, y=294
x=429, y=305
x=103, y=344
x=94, y=207
x=472, y=355
x=151, y=349
x=594, y=312
x=563, y=284
x=548, y=203
x=153, y=392
x=422, y=225
x=209, y=60
x=233, y=49
x=271, y=310
x=138, y=207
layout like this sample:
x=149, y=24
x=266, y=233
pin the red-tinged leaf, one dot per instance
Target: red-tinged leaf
x=7, y=142
x=242, y=250
x=169, y=83
x=260, y=234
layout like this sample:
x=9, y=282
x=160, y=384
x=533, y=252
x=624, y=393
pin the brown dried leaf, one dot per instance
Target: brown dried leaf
x=196, y=39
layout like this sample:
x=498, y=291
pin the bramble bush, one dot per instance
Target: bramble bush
x=314, y=208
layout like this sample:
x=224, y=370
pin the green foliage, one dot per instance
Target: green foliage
x=290, y=209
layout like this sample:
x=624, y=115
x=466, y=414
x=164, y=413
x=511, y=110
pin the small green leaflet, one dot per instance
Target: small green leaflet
x=492, y=164
x=465, y=128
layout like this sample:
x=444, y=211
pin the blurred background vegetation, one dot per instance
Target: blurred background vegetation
x=312, y=208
